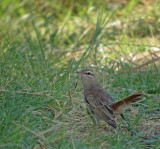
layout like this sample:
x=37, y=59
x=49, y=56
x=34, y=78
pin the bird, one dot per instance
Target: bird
x=100, y=103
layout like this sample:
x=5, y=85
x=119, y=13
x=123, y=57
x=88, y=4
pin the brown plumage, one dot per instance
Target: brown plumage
x=101, y=103
x=122, y=105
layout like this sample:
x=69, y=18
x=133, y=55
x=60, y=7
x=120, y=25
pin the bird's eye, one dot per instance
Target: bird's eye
x=88, y=73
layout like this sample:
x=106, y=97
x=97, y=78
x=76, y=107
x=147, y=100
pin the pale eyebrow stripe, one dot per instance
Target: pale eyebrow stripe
x=90, y=73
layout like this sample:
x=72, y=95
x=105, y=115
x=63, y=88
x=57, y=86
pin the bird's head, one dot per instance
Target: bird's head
x=88, y=78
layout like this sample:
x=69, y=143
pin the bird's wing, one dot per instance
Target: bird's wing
x=101, y=108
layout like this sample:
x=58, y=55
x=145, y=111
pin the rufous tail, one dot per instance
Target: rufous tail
x=122, y=105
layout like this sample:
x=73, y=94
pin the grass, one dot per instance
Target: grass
x=41, y=104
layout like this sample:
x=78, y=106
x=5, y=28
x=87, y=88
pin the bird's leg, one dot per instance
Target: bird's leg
x=93, y=117
x=124, y=117
x=130, y=127
x=96, y=119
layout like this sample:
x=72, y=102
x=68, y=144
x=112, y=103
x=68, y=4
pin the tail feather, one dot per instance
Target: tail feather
x=122, y=105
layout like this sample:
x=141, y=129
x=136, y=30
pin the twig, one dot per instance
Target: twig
x=75, y=88
x=41, y=145
x=57, y=114
x=50, y=108
x=71, y=98
x=35, y=93
x=20, y=92
x=156, y=53
x=138, y=67
x=31, y=131
x=85, y=32
x=8, y=82
x=70, y=94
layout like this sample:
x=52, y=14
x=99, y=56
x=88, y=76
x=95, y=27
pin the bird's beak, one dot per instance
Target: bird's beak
x=78, y=71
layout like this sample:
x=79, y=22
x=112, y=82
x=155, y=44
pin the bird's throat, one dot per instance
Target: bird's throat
x=89, y=83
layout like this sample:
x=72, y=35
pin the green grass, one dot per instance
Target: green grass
x=41, y=47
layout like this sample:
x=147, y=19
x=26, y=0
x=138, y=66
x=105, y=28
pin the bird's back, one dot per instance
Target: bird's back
x=100, y=94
